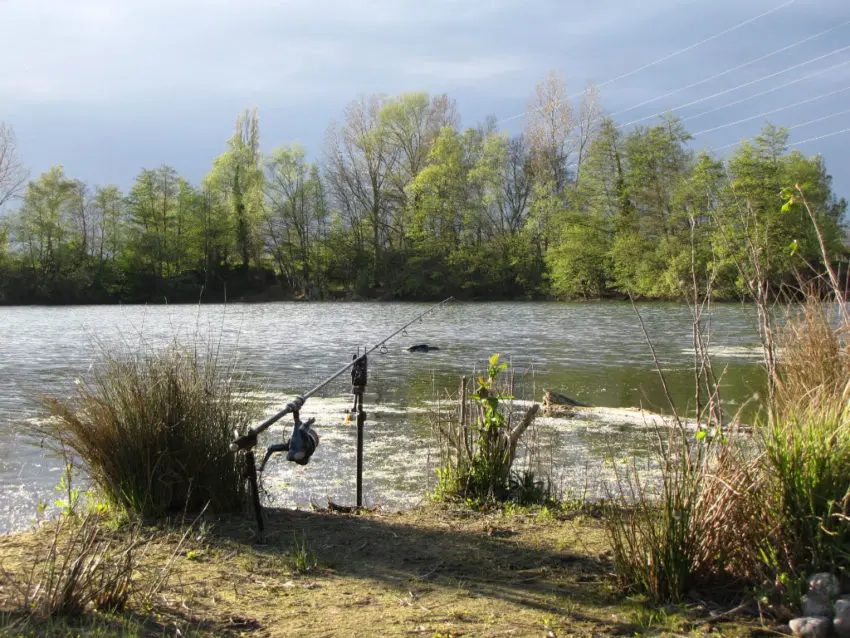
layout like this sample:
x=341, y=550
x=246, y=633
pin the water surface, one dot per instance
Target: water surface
x=595, y=352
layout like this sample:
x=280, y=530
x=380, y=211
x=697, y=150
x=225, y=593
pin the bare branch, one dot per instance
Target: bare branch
x=13, y=174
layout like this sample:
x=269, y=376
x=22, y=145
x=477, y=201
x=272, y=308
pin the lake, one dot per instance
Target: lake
x=594, y=352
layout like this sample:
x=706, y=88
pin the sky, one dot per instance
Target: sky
x=109, y=87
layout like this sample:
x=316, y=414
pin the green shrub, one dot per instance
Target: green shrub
x=476, y=459
x=806, y=442
x=153, y=429
x=807, y=467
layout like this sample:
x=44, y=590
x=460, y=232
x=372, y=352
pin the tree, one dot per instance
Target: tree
x=237, y=180
x=13, y=174
x=411, y=122
x=441, y=194
x=759, y=241
x=549, y=125
x=651, y=228
x=212, y=230
x=153, y=207
x=295, y=215
x=588, y=122
x=577, y=260
x=108, y=224
x=360, y=162
x=516, y=185
x=80, y=218
x=604, y=187
x=43, y=226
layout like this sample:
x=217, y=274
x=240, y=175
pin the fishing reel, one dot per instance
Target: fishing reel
x=359, y=375
x=300, y=446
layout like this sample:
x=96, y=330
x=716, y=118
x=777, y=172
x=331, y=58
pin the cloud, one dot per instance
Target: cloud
x=98, y=50
x=184, y=68
x=465, y=70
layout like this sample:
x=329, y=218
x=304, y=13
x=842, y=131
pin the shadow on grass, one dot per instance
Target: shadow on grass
x=481, y=556
x=122, y=624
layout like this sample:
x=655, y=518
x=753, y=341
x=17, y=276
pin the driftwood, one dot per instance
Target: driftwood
x=522, y=426
x=555, y=402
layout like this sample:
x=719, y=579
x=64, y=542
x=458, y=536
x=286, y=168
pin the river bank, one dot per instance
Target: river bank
x=431, y=571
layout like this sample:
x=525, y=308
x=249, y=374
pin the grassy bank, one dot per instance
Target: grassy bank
x=437, y=571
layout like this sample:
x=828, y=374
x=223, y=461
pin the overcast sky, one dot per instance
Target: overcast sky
x=107, y=87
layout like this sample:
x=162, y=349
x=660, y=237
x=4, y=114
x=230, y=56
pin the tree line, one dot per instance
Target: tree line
x=405, y=204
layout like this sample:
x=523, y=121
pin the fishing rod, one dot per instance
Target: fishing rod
x=249, y=439
x=304, y=439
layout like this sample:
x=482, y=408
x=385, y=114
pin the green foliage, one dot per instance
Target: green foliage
x=525, y=489
x=68, y=504
x=301, y=557
x=755, y=229
x=806, y=443
x=476, y=458
x=153, y=428
x=578, y=262
x=808, y=465
x=406, y=204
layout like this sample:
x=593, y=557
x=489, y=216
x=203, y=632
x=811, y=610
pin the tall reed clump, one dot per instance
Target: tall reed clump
x=805, y=436
x=685, y=533
x=806, y=441
x=478, y=443
x=682, y=524
x=688, y=522
x=153, y=428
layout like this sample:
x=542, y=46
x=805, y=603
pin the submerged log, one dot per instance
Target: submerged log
x=422, y=347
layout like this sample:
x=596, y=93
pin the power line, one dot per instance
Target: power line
x=766, y=92
x=733, y=69
x=791, y=128
x=694, y=46
x=821, y=137
x=777, y=110
x=819, y=119
x=672, y=55
x=735, y=88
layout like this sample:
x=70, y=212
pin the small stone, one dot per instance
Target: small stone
x=816, y=606
x=842, y=617
x=825, y=586
x=811, y=626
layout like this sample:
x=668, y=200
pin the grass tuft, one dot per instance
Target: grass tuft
x=152, y=428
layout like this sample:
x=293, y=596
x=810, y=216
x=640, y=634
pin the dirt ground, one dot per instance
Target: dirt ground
x=437, y=571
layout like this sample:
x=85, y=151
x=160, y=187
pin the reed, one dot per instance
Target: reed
x=152, y=428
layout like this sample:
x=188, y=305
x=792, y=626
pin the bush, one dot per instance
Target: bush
x=692, y=534
x=476, y=459
x=153, y=430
